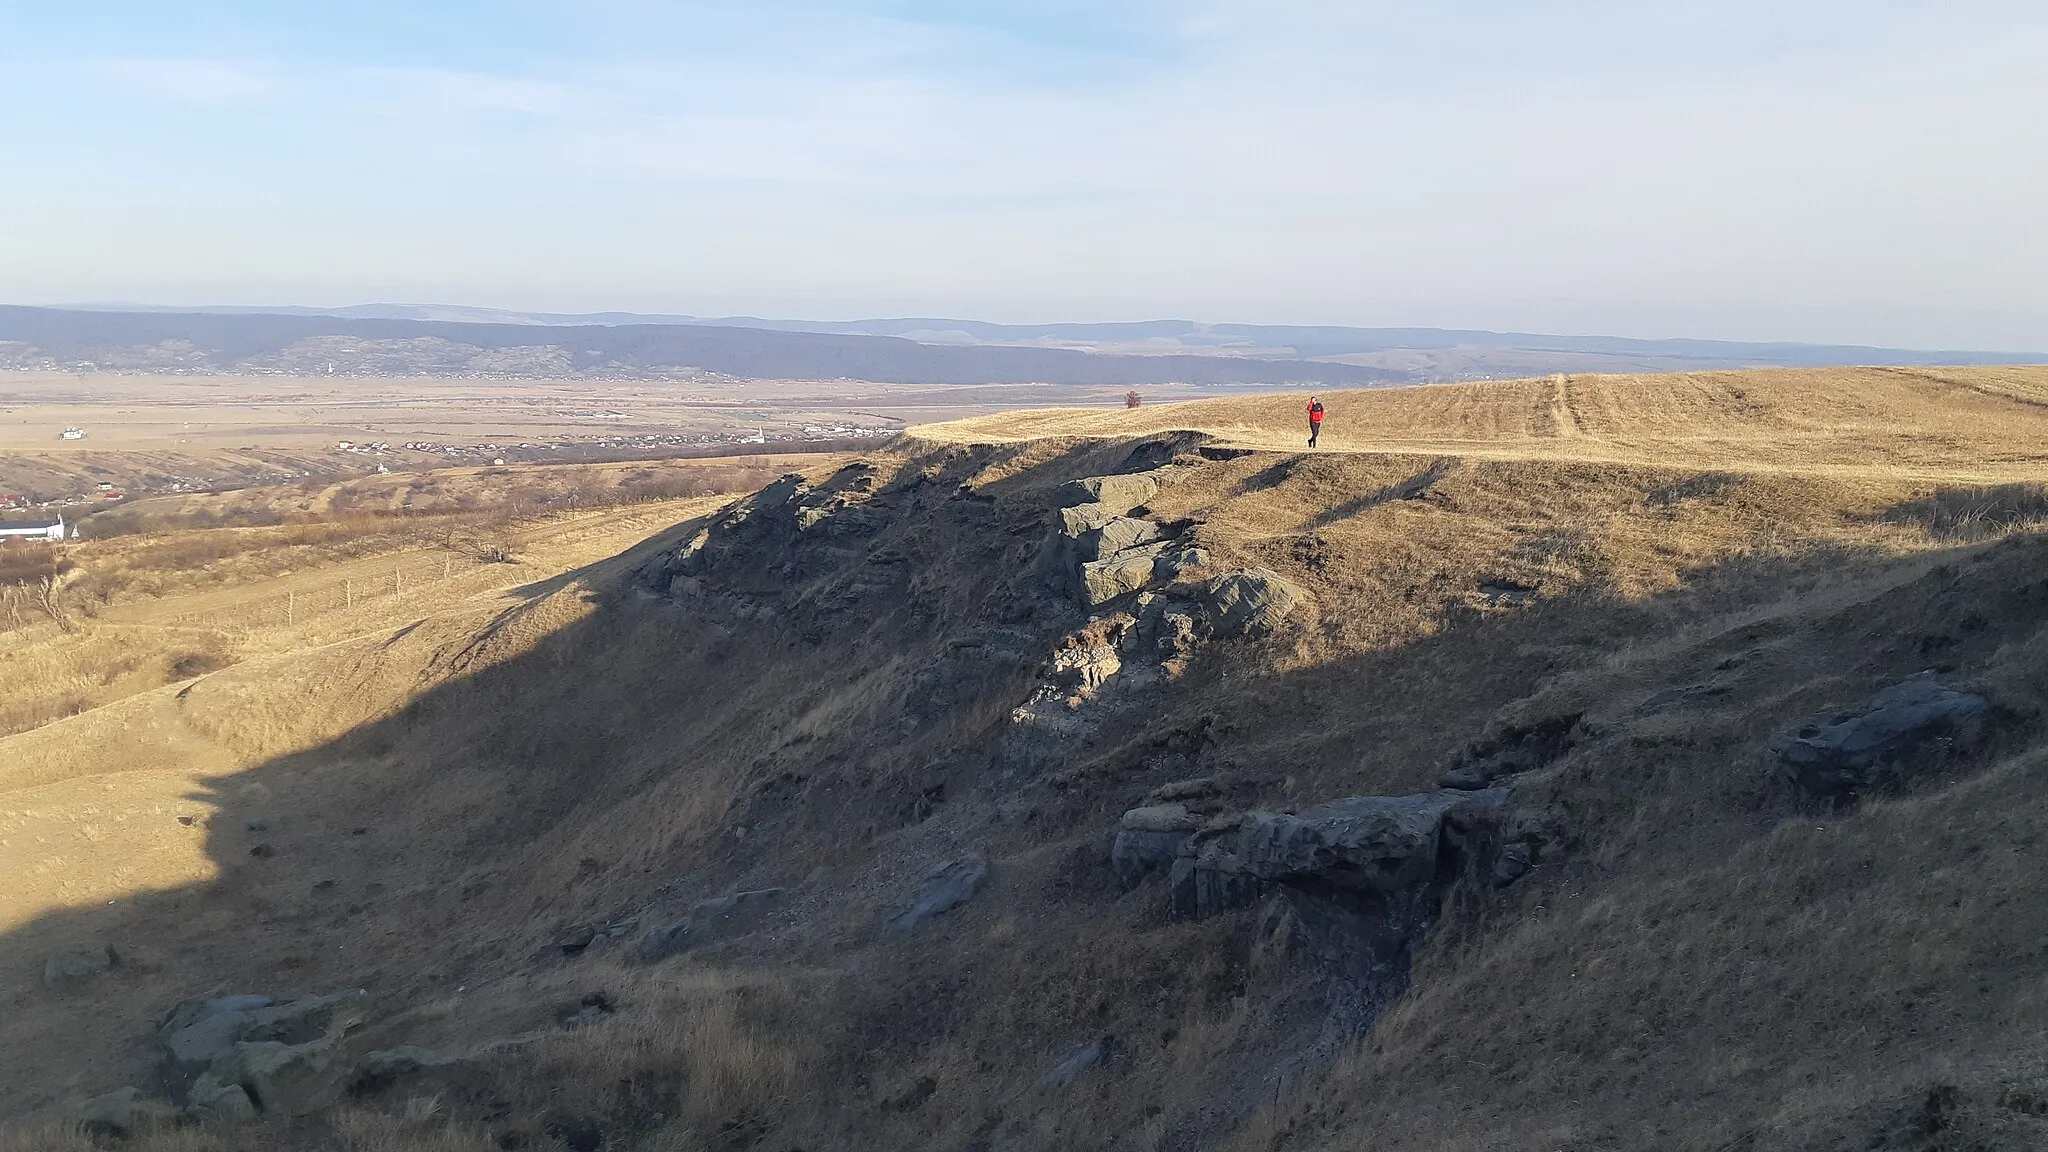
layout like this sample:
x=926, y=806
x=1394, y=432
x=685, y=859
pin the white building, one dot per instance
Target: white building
x=36, y=529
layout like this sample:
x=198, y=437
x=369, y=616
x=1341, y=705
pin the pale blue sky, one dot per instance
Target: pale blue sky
x=1804, y=169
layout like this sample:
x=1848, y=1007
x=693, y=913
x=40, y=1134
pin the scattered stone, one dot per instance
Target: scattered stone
x=1250, y=601
x=719, y=918
x=576, y=939
x=1505, y=593
x=665, y=941
x=120, y=1113
x=188, y=821
x=383, y=1068
x=1842, y=754
x=1148, y=839
x=387, y=1067
x=1069, y=1070
x=78, y=964
x=1177, y=635
x=947, y=887
x=1085, y=668
x=581, y=1013
x=256, y=826
x=1119, y=494
x=263, y=851
x=1510, y=864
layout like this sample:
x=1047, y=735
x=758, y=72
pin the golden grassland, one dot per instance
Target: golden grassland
x=1709, y=964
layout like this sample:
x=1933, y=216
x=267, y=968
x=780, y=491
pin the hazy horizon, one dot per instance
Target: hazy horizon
x=1817, y=171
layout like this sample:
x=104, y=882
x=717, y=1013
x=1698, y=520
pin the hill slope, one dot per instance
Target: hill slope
x=327, y=345
x=798, y=826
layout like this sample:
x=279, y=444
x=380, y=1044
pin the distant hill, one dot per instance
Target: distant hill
x=294, y=343
x=803, y=349
x=1409, y=353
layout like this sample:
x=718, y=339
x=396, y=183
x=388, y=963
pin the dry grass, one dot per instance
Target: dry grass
x=1975, y=425
x=1702, y=961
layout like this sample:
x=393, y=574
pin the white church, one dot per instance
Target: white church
x=37, y=529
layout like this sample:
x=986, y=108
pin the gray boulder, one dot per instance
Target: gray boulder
x=946, y=888
x=1250, y=601
x=76, y=965
x=1115, y=535
x=199, y=1030
x=1127, y=571
x=1841, y=754
x=291, y=1079
x=210, y=1099
x=1119, y=494
x=1510, y=864
x=1148, y=839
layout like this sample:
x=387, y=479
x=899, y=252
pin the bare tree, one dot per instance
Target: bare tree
x=46, y=599
x=1132, y=399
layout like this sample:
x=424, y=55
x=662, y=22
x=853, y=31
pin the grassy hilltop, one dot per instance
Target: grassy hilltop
x=798, y=820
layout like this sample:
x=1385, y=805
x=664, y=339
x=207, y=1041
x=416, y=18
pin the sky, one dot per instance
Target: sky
x=1866, y=171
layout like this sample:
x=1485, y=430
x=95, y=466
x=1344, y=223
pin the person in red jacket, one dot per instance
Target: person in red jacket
x=1315, y=420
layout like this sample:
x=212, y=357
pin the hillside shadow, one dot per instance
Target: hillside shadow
x=444, y=847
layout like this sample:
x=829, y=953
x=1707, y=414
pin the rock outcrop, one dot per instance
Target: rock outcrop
x=1115, y=535
x=1250, y=602
x=1842, y=754
x=1378, y=847
x=1119, y=494
x=1121, y=574
x=281, y=1053
x=1149, y=839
